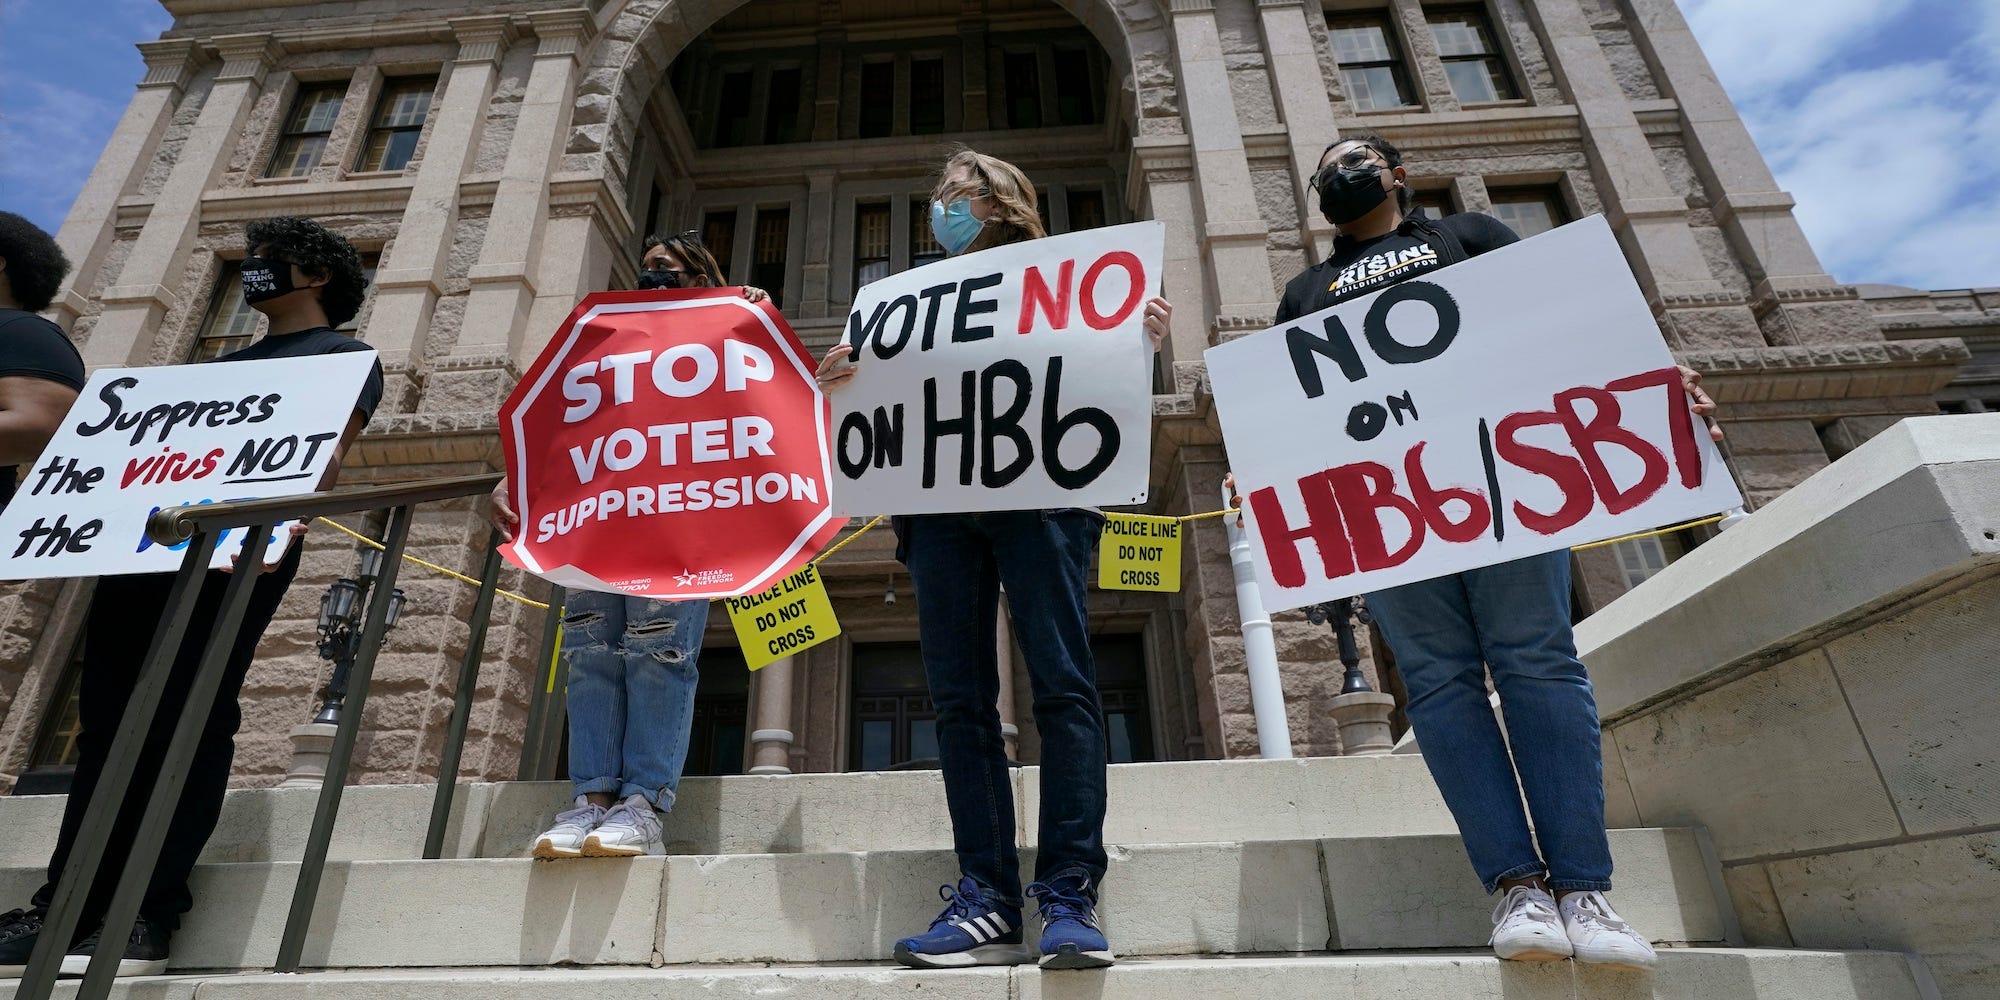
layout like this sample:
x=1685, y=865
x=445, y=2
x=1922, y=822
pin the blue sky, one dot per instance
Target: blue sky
x=1882, y=117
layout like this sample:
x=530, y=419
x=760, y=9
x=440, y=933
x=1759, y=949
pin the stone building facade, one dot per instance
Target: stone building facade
x=498, y=161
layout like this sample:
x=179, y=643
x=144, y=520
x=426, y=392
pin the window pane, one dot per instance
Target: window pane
x=1024, y=90
x=1528, y=213
x=1472, y=82
x=1374, y=88
x=877, y=744
x=732, y=111
x=55, y=743
x=923, y=740
x=718, y=234
x=924, y=246
x=1118, y=730
x=1075, y=104
x=1461, y=33
x=297, y=156
x=725, y=748
x=316, y=108
x=871, y=244
x=1360, y=41
x=390, y=150
x=781, y=108
x=1086, y=209
x=369, y=263
x=405, y=103
x=926, y=96
x=767, y=267
x=878, y=99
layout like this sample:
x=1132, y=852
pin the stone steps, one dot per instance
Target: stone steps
x=1244, y=897
x=1683, y=974
x=1165, y=803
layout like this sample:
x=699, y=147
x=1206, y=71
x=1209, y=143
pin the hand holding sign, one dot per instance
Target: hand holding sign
x=1510, y=405
x=1007, y=379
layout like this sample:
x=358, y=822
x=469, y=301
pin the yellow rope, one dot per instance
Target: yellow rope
x=1649, y=534
x=837, y=546
x=433, y=567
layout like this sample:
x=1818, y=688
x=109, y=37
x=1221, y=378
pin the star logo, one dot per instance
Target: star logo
x=685, y=578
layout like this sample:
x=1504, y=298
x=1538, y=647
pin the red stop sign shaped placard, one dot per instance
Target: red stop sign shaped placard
x=671, y=445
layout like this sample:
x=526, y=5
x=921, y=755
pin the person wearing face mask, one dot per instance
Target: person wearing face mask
x=959, y=563
x=1512, y=619
x=632, y=663
x=305, y=280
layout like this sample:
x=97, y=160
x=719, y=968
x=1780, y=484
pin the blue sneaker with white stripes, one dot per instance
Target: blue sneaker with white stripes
x=974, y=929
x=1070, y=938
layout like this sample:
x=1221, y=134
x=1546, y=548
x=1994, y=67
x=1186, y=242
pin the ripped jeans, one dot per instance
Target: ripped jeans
x=631, y=692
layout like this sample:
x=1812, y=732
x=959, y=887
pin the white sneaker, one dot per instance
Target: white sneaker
x=630, y=829
x=565, y=839
x=1598, y=935
x=1526, y=927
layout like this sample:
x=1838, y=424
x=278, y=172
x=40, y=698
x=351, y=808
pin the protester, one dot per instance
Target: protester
x=1512, y=619
x=632, y=664
x=40, y=370
x=305, y=280
x=959, y=563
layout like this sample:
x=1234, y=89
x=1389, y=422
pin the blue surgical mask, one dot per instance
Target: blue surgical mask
x=954, y=225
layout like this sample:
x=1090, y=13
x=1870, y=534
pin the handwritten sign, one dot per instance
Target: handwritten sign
x=1516, y=403
x=794, y=615
x=139, y=439
x=1139, y=552
x=1015, y=378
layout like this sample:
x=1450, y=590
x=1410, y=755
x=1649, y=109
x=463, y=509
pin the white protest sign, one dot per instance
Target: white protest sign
x=1015, y=378
x=139, y=439
x=1512, y=404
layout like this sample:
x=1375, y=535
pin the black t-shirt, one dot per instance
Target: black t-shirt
x=33, y=347
x=1420, y=244
x=305, y=343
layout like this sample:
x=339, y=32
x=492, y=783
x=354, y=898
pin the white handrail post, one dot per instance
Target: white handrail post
x=1260, y=648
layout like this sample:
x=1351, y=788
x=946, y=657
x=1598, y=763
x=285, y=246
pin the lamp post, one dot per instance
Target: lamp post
x=340, y=612
x=1361, y=712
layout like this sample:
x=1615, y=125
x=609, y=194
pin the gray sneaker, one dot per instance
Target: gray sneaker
x=565, y=839
x=630, y=829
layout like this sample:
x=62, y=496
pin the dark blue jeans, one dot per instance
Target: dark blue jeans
x=1511, y=619
x=959, y=563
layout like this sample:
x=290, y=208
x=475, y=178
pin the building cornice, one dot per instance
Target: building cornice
x=247, y=56
x=170, y=62
x=1828, y=371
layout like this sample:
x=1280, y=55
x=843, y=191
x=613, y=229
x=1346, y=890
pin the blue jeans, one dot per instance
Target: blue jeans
x=958, y=563
x=1512, y=619
x=631, y=692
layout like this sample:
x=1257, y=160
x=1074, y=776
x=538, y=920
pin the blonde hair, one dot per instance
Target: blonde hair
x=1017, y=215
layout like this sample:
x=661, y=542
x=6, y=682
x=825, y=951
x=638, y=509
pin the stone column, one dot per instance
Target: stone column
x=1809, y=305
x=1295, y=74
x=406, y=290
x=1010, y=720
x=135, y=305
x=771, y=733
x=816, y=274
x=503, y=281
x=1651, y=219
x=1233, y=230
x=1165, y=169
x=826, y=99
x=1425, y=65
x=972, y=70
x=86, y=233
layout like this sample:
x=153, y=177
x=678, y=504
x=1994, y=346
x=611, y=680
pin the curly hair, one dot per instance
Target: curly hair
x=319, y=252
x=35, y=264
x=1017, y=214
x=692, y=253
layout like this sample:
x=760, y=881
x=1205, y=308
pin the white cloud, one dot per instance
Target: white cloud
x=1889, y=154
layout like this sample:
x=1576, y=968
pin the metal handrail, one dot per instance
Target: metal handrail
x=202, y=526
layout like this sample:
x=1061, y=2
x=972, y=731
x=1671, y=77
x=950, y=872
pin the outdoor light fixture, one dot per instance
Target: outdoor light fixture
x=1342, y=614
x=889, y=593
x=342, y=610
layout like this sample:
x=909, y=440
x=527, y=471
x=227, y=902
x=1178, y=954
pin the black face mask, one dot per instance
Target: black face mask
x=1347, y=194
x=659, y=278
x=265, y=279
